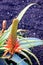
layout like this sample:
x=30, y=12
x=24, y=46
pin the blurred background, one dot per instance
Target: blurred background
x=32, y=20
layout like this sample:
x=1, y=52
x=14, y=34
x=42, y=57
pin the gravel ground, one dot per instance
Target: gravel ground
x=32, y=20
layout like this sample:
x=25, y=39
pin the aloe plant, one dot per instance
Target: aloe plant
x=18, y=44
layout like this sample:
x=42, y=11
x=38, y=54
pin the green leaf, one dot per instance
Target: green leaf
x=17, y=59
x=30, y=42
x=32, y=55
x=24, y=11
x=24, y=54
x=20, y=61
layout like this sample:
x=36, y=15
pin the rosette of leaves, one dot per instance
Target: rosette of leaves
x=24, y=43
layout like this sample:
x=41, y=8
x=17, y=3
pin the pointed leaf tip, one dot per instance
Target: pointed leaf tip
x=24, y=11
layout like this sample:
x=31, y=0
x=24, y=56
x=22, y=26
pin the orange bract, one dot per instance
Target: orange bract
x=12, y=45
